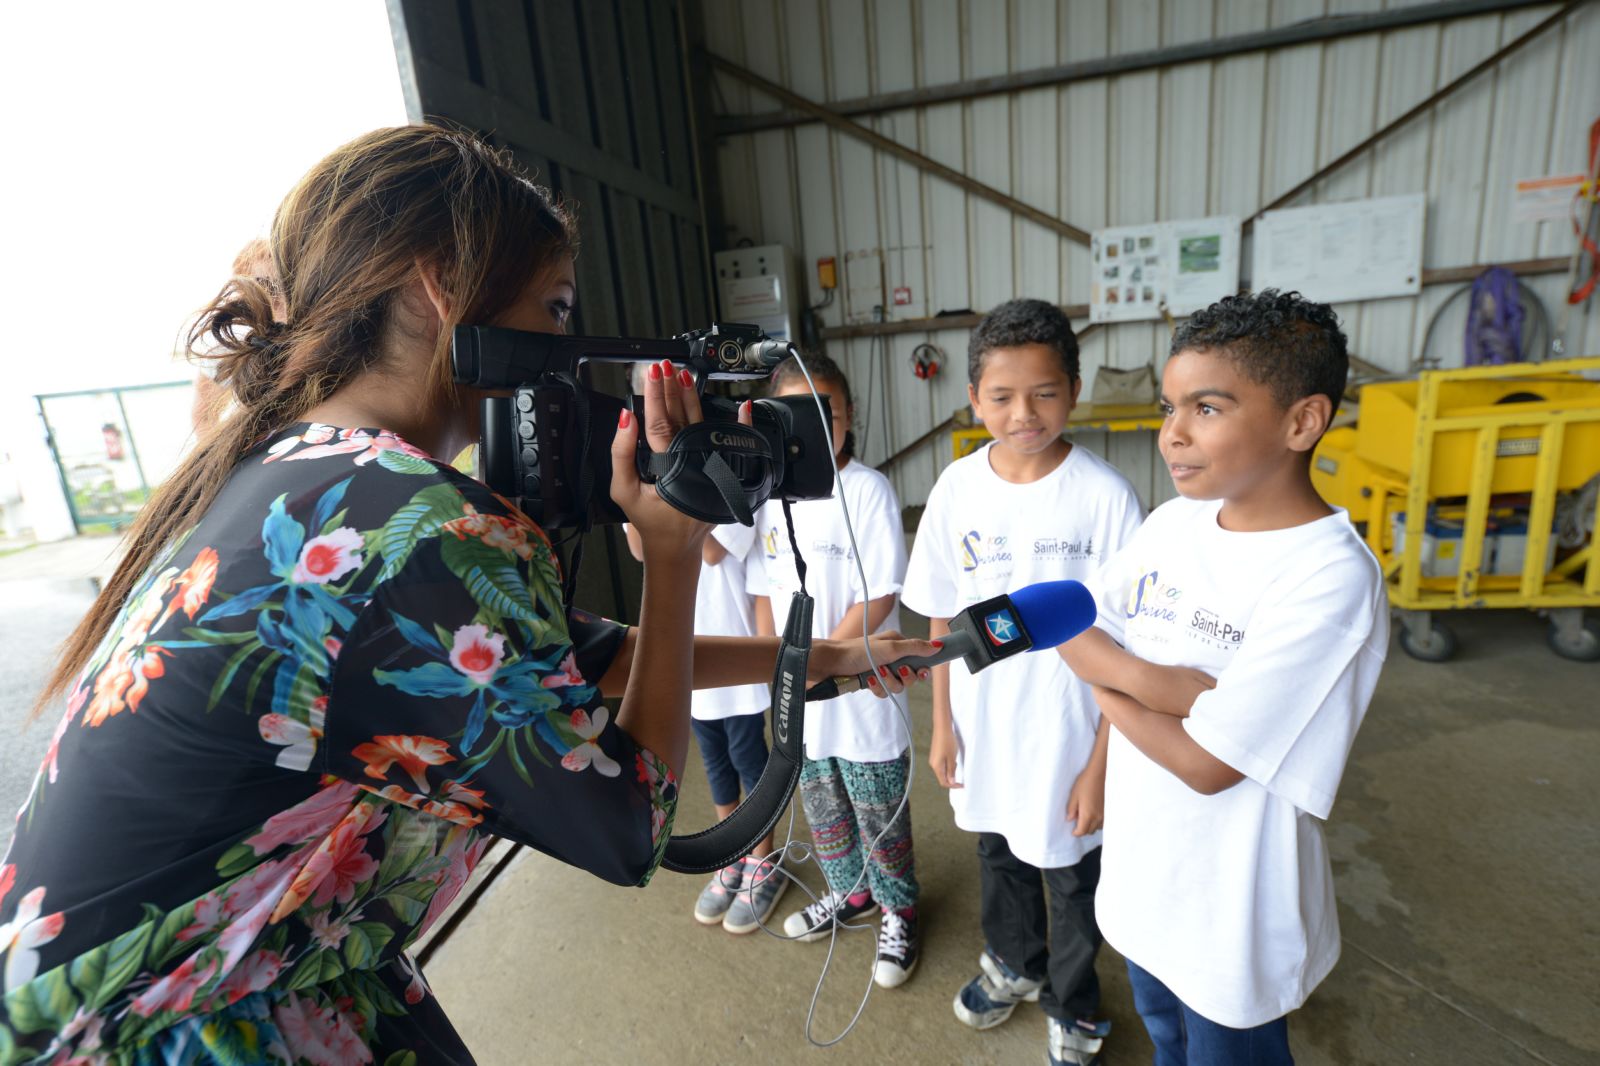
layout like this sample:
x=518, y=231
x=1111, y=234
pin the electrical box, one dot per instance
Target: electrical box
x=760, y=285
x=864, y=290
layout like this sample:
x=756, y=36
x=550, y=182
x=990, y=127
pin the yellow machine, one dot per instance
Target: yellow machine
x=1456, y=477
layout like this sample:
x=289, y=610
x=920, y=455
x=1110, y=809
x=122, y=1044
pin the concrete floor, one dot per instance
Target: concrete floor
x=1466, y=846
x=45, y=590
x=1466, y=851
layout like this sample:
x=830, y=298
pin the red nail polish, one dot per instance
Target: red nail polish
x=937, y=643
x=655, y=372
x=884, y=670
x=686, y=378
x=625, y=419
x=905, y=671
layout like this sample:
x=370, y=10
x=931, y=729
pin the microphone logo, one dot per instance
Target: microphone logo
x=1001, y=627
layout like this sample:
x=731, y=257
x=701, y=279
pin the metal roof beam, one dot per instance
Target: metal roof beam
x=1310, y=31
x=899, y=151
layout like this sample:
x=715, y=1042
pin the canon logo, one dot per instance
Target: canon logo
x=733, y=440
x=780, y=727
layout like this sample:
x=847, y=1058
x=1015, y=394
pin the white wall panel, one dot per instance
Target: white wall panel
x=1220, y=137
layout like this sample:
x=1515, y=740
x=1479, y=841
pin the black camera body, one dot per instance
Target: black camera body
x=547, y=444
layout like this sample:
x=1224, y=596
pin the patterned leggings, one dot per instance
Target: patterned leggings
x=848, y=804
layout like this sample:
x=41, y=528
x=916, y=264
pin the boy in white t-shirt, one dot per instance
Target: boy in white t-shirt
x=1216, y=885
x=858, y=758
x=1021, y=745
x=730, y=730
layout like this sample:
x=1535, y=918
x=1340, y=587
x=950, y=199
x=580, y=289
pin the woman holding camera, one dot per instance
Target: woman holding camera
x=330, y=665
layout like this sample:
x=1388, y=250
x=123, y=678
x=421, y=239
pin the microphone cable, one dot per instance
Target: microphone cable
x=801, y=852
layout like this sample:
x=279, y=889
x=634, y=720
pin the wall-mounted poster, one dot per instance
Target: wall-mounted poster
x=1175, y=267
x=1357, y=250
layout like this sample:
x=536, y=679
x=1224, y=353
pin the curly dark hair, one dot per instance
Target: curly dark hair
x=823, y=368
x=1278, y=339
x=1018, y=322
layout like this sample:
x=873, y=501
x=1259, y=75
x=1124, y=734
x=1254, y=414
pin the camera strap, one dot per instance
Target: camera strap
x=737, y=835
x=794, y=545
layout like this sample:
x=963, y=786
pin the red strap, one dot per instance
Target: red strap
x=1584, y=291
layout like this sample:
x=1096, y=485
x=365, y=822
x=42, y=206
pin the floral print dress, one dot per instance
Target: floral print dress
x=287, y=755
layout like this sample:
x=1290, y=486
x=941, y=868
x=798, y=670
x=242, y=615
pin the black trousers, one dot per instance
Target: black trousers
x=1056, y=942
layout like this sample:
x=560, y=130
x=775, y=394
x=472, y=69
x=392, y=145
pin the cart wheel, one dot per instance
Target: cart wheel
x=1439, y=645
x=1578, y=643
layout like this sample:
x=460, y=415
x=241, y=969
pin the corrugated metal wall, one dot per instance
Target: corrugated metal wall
x=592, y=97
x=1204, y=138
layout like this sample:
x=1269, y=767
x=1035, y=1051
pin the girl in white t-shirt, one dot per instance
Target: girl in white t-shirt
x=857, y=749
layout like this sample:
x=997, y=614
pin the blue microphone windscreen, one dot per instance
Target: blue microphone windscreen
x=1054, y=611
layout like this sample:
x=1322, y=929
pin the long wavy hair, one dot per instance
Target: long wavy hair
x=345, y=241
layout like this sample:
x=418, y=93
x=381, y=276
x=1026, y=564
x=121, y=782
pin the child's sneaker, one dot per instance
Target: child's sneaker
x=717, y=896
x=1076, y=1043
x=898, y=948
x=764, y=882
x=989, y=998
x=819, y=918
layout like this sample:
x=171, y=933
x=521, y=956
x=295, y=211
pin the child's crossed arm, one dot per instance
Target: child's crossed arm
x=1116, y=674
x=1102, y=662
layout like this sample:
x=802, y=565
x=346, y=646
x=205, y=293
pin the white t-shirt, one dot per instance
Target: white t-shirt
x=859, y=727
x=1025, y=726
x=1228, y=899
x=722, y=608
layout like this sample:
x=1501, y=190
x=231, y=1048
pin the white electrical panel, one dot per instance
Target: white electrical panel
x=864, y=289
x=760, y=286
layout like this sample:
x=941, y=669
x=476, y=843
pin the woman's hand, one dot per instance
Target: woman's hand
x=670, y=403
x=837, y=658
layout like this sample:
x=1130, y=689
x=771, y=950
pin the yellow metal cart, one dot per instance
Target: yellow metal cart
x=1435, y=467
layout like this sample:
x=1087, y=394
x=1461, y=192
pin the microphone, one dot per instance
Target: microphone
x=1033, y=618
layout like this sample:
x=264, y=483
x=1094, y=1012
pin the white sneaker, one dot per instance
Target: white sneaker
x=989, y=998
x=1072, y=1045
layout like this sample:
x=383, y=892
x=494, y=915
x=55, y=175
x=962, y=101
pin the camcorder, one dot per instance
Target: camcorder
x=546, y=443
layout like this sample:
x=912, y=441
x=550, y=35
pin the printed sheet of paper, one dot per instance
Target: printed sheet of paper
x=1357, y=250
x=1179, y=267
x=1545, y=199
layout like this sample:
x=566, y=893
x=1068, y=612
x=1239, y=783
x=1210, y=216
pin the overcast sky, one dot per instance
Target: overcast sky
x=146, y=143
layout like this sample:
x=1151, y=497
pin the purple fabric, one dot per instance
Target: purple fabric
x=1494, y=320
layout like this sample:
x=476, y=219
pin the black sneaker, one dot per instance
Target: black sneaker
x=898, y=948
x=817, y=920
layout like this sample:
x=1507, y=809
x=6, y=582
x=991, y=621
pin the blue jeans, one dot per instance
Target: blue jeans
x=1184, y=1038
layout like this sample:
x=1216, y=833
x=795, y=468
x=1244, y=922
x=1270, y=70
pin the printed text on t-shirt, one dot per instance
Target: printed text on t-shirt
x=976, y=550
